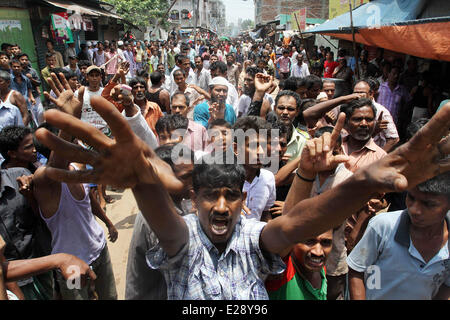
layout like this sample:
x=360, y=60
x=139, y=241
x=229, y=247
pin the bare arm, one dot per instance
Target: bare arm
x=164, y=97
x=19, y=101
x=390, y=144
x=99, y=213
x=356, y=285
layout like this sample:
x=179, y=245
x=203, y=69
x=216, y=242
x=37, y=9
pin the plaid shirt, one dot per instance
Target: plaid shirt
x=199, y=272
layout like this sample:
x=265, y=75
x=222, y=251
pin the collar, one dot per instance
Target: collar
x=295, y=135
x=402, y=235
x=371, y=145
x=5, y=181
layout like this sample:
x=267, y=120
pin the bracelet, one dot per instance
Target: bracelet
x=303, y=178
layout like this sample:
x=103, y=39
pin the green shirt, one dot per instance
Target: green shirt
x=293, y=287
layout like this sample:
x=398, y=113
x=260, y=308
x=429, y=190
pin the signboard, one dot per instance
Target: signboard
x=338, y=7
x=7, y=25
x=301, y=18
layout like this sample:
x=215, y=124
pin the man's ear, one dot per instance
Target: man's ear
x=235, y=148
x=193, y=197
x=12, y=154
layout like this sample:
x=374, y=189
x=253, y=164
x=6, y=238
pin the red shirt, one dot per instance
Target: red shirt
x=329, y=67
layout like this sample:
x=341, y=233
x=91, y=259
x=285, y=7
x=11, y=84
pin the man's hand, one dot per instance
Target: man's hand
x=317, y=155
x=214, y=111
x=66, y=101
x=262, y=82
x=123, y=162
x=124, y=68
x=26, y=185
x=277, y=208
x=380, y=124
x=113, y=234
x=353, y=96
x=424, y=156
x=69, y=263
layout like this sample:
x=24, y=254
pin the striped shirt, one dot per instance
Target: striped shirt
x=200, y=272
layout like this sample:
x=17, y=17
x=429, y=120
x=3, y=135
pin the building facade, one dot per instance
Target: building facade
x=269, y=10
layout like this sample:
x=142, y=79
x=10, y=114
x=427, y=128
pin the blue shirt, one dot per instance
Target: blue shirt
x=9, y=116
x=199, y=272
x=393, y=267
x=22, y=87
x=201, y=114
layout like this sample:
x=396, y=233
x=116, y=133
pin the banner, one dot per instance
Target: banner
x=338, y=7
x=301, y=18
x=7, y=25
x=61, y=27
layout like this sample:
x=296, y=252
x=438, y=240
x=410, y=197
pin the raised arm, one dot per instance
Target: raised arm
x=313, y=114
x=19, y=101
x=421, y=158
x=140, y=168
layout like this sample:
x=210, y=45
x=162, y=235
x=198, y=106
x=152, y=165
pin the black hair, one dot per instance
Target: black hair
x=179, y=93
x=5, y=46
x=3, y=53
x=137, y=80
x=10, y=139
x=180, y=58
x=252, y=71
x=171, y=122
x=155, y=77
x=312, y=80
x=221, y=66
x=250, y=123
x=319, y=132
x=49, y=40
x=167, y=154
x=293, y=83
x=178, y=71
x=49, y=55
x=219, y=123
x=290, y=93
x=83, y=63
x=41, y=148
x=68, y=74
x=142, y=73
x=23, y=54
x=14, y=60
x=350, y=107
x=212, y=176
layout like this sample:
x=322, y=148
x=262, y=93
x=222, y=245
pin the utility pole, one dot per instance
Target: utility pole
x=196, y=5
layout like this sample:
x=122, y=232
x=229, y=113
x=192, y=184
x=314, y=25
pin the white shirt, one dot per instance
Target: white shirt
x=300, y=71
x=245, y=101
x=390, y=132
x=261, y=194
x=203, y=80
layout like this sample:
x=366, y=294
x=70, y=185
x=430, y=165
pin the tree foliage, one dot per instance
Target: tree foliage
x=141, y=13
x=247, y=24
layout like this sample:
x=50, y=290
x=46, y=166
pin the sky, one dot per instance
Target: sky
x=236, y=9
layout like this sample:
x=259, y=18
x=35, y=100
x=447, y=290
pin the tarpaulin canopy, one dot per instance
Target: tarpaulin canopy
x=393, y=25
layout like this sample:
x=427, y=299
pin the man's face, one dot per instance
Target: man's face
x=24, y=61
x=26, y=152
x=329, y=88
x=394, y=75
x=218, y=211
x=83, y=70
x=179, y=79
x=186, y=65
x=198, y=63
x=100, y=46
x=161, y=69
x=179, y=105
x=15, y=50
x=426, y=209
x=51, y=61
x=282, y=145
x=286, y=109
x=361, y=124
x=183, y=172
x=220, y=137
x=312, y=254
x=4, y=61
x=214, y=59
x=249, y=85
x=4, y=84
x=138, y=91
x=172, y=137
x=49, y=46
x=16, y=68
x=73, y=62
x=230, y=60
x=253, y=150
x=219, y=94
x=94, y=78
x=314, y=91
x=73, y=83
x=299, y=59
x=363, y=87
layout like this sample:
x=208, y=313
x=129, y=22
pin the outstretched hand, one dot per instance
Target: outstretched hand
x=263, y=82
x=421, y=158
x=65, y=98
x=317, y=155
x=123, y=162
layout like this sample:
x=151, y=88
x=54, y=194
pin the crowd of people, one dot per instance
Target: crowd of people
x=261, y=171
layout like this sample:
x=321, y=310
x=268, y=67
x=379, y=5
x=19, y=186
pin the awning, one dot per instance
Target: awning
x=82, y=9
x=397, y=29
